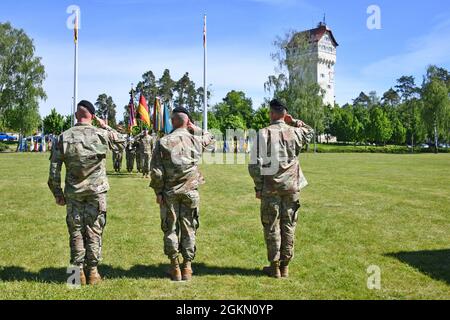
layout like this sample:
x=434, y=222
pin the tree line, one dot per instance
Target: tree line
x=406, y=113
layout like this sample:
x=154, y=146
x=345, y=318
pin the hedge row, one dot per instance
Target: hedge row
x=371, y=149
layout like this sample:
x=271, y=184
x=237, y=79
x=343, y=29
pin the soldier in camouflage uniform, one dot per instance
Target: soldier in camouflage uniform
x=147, y=143
x=82, y=149
x=278, y=179
x=138, y=148
x=175, y=180
x=130, y=150
x=117, y=160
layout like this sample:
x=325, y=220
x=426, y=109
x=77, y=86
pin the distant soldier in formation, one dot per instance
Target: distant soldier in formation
x=130, y=150
x=278, y=179
x=147, y=143
x=175, y=180
x=138, y=147
x=117, y=160
x=82, y=149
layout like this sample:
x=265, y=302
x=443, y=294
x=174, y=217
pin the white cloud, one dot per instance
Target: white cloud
x=419, y=52
x=433, y=48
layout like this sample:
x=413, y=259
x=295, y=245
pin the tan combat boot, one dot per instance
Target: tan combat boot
x=82, y=277
x=284, y=269
x=274, y=270
x=175, y=271
x=94, y=276
x=187, y=271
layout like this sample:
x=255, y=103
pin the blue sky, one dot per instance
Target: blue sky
x=121, y=39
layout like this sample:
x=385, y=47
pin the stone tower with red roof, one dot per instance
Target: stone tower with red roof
x=316, y=49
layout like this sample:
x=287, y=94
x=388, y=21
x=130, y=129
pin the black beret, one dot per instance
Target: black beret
x=89, y=106
x=277, y=105
x=182, y=110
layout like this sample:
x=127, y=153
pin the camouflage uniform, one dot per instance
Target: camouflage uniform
x=83, y=150
x=147, y=145
x=138, y=147
x=175, y=176
x=130, y=150
x=276, y=172
x=117, y=160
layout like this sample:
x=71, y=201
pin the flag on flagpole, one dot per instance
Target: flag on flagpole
x=75, y=29
x=204, y=32
x=205, y=77
x=132, y=120
x=143, y=110
x=167, y=123
x=158, y=116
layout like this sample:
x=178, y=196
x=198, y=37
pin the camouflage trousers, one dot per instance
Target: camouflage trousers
x=138, y=162
x=279, y=216
x=146, y=158
x=130, y=161
x=117, y=161
x=180, y=222
x=86, y=220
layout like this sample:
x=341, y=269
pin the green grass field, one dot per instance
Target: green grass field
x=392, y=211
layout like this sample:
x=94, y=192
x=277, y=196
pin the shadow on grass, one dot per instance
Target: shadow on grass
x=59, y=275
x=433, y=263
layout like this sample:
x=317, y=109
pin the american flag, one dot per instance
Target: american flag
x=132, y=121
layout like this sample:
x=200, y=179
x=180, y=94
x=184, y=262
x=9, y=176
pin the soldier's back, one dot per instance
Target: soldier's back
x=84, y=149
x=283, y=144
x=180, y=153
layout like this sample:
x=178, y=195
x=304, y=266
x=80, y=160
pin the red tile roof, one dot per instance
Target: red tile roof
x=314, y=35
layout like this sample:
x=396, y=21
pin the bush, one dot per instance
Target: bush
x=3, y=147
x=342, y=148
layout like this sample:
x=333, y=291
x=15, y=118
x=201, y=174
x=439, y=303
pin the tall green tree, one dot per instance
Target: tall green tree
x=391, y=98
x=409, y=93
x=166, y=86
x=186, y=93
x=21, y=81
x=380, y=127
x=362, y=99
x=233, y=121
x=261, y=118
x=106, y=109
x=235, y=103
x=54, y=122
x=406, y=88
x=148, y=87
x=436, y=107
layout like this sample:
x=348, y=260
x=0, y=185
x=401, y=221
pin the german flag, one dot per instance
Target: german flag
x=143, y=111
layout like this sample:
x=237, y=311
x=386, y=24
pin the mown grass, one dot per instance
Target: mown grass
x=392, y=211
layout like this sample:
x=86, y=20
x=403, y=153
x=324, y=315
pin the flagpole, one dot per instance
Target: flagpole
x=75, y=80
x=205, y=80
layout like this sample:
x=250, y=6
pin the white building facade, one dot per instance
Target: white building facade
x=317, y=58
